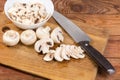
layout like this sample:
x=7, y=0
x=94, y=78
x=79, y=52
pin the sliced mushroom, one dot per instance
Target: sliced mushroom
x=11, y=38
x=43, y=45
x=25, y=12
x=49, y=56
x=38, y=46
x=64, y=54
x=57, y=54
x=28, y=37
x=80, y=52
x=43, y=32
x=75, y=52
x=70, y=50
x=80, y=49
x=57, y=35
x=45, y=48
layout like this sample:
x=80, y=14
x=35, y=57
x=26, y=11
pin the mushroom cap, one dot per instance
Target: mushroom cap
x=11, y=37
x=28, y=37
x=43, y=32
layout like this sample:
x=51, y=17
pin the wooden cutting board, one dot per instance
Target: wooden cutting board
x=26, y=59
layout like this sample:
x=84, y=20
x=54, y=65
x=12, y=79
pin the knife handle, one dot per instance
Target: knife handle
x=98, y=58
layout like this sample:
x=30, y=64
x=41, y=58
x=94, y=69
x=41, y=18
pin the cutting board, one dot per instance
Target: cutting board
x=26, y=59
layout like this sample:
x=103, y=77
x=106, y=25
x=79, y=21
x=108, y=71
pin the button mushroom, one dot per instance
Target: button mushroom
x=75, y=52
x=70, y=51
x=80, y=52
x=64, y=54
x=11, y=37
x=43, y=32
x=49, y=56
x=57, y=54
x=57, y=35
x=28, y=37
x=43, y=45
x=31, y=13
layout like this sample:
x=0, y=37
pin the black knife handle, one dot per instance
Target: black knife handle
x=98, y=58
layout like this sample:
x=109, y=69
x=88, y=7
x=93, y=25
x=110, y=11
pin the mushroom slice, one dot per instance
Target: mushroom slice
x=11, y=37
x=45, y=48
x=43, y=32
x=75, y=51
x=57, y=35
x=28, y=37
x=38, y=46
x=64, y=54
x=49, y=56
x=49, y=42
x=80, y=52
x=80, y=49
x=43, y=45
x=69, y=49
x=57, y=54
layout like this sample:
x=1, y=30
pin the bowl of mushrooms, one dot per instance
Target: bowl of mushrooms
x=29, y=14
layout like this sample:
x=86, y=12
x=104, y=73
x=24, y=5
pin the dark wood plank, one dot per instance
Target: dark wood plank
x=108, y=7
x=113, y=47
x=109, y=22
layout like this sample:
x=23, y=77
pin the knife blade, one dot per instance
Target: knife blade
x=80, y=37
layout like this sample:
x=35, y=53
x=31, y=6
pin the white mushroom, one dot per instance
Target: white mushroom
x=57, y=54
x=70, y=51
x=49, y=56
x=64, y=54
x=38, y=46
x=43, y=45
x=33, y=13
x=43, y=32
x=75, y=52
x=28, y=37
x=80, y=52
x=57, y=35
x=11, y=37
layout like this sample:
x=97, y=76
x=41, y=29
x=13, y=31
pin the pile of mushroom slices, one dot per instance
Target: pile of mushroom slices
x=31, y=13
x=44, y=40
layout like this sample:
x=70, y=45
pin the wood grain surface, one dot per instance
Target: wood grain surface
x=100, y=13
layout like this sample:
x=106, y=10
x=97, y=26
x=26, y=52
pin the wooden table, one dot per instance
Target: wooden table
x=100, y=13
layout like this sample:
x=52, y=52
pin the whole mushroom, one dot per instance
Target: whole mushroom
x=11, y=37
x=28, y=37
x=43, y=32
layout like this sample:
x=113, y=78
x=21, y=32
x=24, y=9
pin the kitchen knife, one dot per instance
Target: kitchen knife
x=83, y=40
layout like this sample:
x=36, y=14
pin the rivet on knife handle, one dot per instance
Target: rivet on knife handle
x=97, y=56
